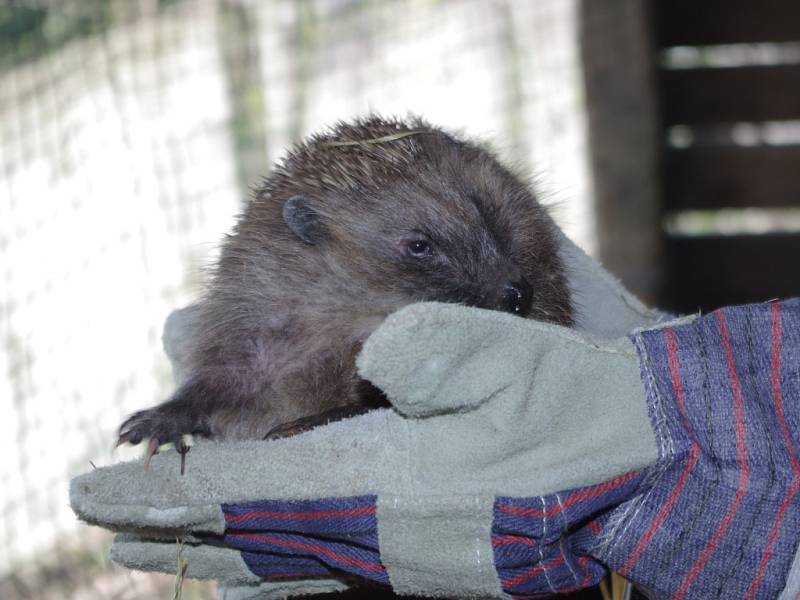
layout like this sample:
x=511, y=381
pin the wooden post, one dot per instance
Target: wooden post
x=619, y=72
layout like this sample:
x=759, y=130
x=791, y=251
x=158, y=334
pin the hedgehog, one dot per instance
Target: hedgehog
x=353, y=224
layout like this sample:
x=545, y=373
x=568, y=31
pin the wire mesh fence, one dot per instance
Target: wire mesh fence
x=130, y=133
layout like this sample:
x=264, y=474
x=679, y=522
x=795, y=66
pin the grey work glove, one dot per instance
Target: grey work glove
x=487, y=405
x=493, y=416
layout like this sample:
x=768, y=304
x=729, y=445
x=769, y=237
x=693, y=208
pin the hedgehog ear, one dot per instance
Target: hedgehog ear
x=303, y=220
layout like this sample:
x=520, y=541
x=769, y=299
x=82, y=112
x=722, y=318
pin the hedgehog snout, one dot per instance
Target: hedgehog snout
x=516, y=297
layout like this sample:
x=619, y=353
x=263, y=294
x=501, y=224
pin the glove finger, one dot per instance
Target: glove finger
x=355, y=457
x=557, y=409
x=272, y=590
x=603, y=306
x=278, y=578
x=434, y=358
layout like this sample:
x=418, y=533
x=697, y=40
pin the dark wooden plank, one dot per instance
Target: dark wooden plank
x=704, y=96
x=709, y=272
x=624, y=140
x=706, y=22
x=732, y=176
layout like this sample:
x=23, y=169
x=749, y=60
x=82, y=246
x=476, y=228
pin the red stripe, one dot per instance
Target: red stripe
x=583, y=562
x=507, y=540
x=662, y=514
x=777, y=396
x=297, y=575
x=677, y=382
x=532, y=572
x=607, y=486
x=741, y=460
x=573, y=498
x=777, y=393
x=269, y=539
x=694, y=454
x=322, y=514
x=773, y=535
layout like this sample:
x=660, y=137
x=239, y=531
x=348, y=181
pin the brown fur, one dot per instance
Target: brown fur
x=295, y=294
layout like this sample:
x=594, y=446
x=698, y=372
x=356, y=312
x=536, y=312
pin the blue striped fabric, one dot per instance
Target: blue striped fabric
x=721, y=517
x=307, y=538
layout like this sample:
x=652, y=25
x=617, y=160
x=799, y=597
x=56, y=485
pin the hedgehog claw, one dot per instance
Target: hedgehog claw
x=161, y=425
x=183, y=450
x=152, y=448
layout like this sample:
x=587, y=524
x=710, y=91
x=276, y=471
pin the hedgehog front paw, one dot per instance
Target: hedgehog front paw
x=160, y=425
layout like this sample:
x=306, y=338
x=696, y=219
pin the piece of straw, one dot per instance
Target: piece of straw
x=378, y=140
x=181, y=572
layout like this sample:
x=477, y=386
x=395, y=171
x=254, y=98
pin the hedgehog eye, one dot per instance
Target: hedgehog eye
x=419, y=248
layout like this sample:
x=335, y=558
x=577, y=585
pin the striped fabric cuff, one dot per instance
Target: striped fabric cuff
x=721, y=517
x=304, y=539
x=541, y=544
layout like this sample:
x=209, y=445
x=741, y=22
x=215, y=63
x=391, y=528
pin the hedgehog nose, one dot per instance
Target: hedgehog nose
x=518, y=297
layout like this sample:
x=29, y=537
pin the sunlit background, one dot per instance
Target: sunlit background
x=131, y=134
x=132, y=131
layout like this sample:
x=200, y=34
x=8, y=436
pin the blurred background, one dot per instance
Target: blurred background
x=665, y=135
